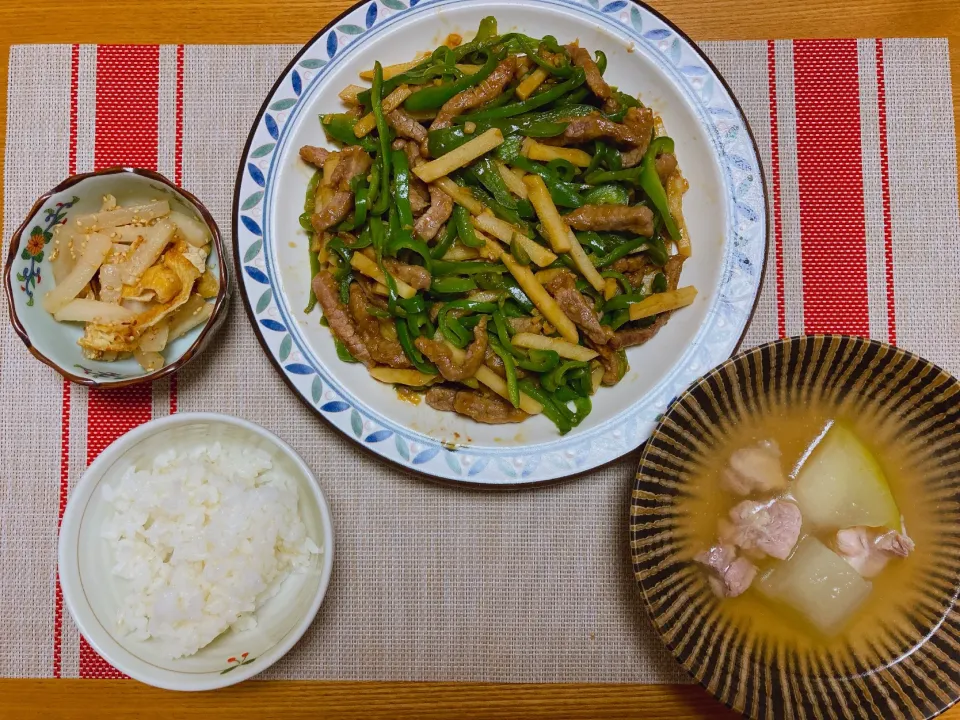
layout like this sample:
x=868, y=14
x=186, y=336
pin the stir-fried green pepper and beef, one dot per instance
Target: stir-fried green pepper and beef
x=497, y=227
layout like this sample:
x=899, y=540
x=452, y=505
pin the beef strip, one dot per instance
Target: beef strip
x=442, y=398
x=754, y=469
x=634, y=132
x=338, y=317
x=441, y=206
x=763, y=528
x=495, y=362
x=666, y=164
x=383, y=351
x=440, y=355
x=727, y=574
x=474, y=97
x=639, y=335
x=413, y=275
x=316, y=156
x=489, y=409
x=526, y=325
x=632, y=263
x=615, y=218
x=353, y=161
x=609, y=358
x=334, y=212
x=579, y=309
x=581, y=58
x=419, y=197
x=407, y=126
x=373, y=297
x=868, y=552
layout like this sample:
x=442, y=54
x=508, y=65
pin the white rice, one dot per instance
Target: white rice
x=205, y=537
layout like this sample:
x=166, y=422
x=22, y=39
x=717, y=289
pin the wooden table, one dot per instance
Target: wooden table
x=295, y=21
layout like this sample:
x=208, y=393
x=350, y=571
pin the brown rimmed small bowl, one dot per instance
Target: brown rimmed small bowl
x=907, y=663
x=28, y=276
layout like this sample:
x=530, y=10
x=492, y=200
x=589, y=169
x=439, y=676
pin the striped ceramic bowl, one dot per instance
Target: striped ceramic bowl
x=908, y=667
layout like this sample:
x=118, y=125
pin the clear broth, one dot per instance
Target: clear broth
x=895, y=590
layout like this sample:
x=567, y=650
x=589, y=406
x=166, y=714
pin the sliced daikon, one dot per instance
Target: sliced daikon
x=137, y=214
x=842, y=485
x=155, y=239
x=819, y=583
x=95, y=311
x=190, y=229
x=93, y=250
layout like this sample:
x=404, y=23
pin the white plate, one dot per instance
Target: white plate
x=93, y=594
x=725, y=209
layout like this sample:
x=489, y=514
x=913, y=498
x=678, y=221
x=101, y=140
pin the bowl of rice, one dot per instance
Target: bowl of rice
x=195, y=551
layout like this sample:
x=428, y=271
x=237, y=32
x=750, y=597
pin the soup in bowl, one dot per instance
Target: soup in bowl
x=794, y=530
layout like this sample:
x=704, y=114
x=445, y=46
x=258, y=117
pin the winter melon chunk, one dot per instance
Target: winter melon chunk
x=841, y=485
x=819, y=583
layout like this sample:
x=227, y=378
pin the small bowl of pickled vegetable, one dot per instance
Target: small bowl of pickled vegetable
x=116, y=277
x=794, y=525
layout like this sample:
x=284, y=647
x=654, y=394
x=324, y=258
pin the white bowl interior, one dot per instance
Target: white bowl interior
x=94, y=594
x=634, y=72
x=58, y=341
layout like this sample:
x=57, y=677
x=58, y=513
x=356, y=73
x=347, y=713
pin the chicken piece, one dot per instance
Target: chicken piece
x=728, y=575
x=763, y=528
x=579, y=309
x=441, y=207
x=868, y=552
x=439, y=354
x=581, y=58
x=754, y=469
x=617, y=218
x=338, y=317
x=474, y=97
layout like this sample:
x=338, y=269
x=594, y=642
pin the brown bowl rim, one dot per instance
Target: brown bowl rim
x=209, y=327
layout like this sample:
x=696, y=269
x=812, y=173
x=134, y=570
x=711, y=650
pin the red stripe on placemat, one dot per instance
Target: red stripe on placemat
x=830, y=172
x=885, y=181
x=65, y=402
x=177, y=175
x=128, y=78
x=775, y=182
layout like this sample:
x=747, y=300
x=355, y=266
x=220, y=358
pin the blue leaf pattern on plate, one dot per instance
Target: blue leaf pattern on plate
x=264, y=300
x=335, y=406
x=316, y=389
x=256, y=174
x=299, y=369
x=312, y=63
x=281, y=105
x=262, y=150
x=256, y=274
x=285, y=347
x=296, y=83
x=250, y=224
x=378, y=436
x=452, y=462
x=271, y=126
x=273, y=325
x=356, y=423
x=402, y=448
x=371, y=15
x=614, y=6
x=478, y=467
x=350, y=29
x=658, y=34
x=331, y=44
x=414, y=3
x=740, y=162
x=425, y=456
x=394, y=4
x=636, y=19
x=747, y=212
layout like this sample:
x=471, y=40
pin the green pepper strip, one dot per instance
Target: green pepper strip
x=461, y=220
x=452, y=285
x=376, y=97
x=401, y=185
x=556, y=377
x=622, y=302
x=440, y=249
x=539, y=361
x=451, y=328
x=339, y=127
x=619, y=252
x=601, y=61
x=414, y=355
x=308, y=204
x=491, y=179
x=650, y=182
x=611, y=194
x=616, y=319
x=659, y=283
x=510, y=370
x=532, y=103
x=446, y=267
x=563, y=193
x=620, y=278
x=563, y=71
x=487, y=29
x=503, y=332
x=565, y=169
x=433, y=97
x=574, y=98
x=551, y=409
x=342, y=353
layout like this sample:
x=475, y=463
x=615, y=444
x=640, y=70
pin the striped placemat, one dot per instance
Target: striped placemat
x=433, y=583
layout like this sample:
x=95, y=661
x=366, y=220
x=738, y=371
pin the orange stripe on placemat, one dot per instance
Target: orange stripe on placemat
x=885, y=181
x=128, y=78
x=775, y=184
x=65, y=403
x=177, y=175
x=830, y=173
